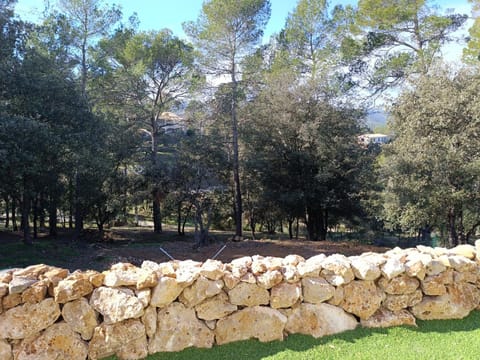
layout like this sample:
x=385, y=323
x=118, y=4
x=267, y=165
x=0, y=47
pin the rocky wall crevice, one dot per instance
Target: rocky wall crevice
x=129, y=311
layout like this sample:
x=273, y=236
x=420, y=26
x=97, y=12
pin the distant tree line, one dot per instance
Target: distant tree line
x=270, y=130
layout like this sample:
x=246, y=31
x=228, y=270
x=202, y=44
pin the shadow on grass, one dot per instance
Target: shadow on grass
x=296, y=343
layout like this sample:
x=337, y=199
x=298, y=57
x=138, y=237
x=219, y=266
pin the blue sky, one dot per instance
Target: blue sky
x=159, y=14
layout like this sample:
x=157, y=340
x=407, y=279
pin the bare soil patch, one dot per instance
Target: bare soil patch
x=134, y=245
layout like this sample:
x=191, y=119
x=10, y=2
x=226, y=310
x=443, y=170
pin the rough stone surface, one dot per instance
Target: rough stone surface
x=319, y=320
x=245, y=294
x=149, y=319
x=20, y=283
x=212, y=269
x=178, y=328
x=285, y=295
x=28, y=319
x=166, y=291
x=269, y=279
x=5, y=350
x=365, y=270
x=116, y=304
x=399, y=302
x=317, y=290
x=137, y=349
x=466, y=250
x=362, y=298
x=392, y=267
x=109, y=340
x=11, y=300
x=337, y=270
x=200, y=290
x=35, y=293
x=215, y=308
x=402, y=284
x=262, y=323
x=387, y=318
x=456, y=303
x=72, y=288
x=81, y=317
x=59, y=341
x=435, y=285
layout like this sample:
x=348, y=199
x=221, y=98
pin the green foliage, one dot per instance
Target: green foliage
x=432, y=168
x=471, y=54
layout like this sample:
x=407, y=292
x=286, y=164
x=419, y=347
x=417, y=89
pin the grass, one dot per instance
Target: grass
x=435, y=339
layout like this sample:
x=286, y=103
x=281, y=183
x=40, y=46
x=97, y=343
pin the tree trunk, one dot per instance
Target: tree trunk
x=236, y=162
x=317, y=224
x=14, y=214
x=157, y=215
x=452, y=231
x=25, y=214
x=7, y=212
x=290, y=228
x=52, y=217
x=179, y=218
x=35, y=218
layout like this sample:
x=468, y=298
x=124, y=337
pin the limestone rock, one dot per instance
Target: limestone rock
x=215, y=308
x=166, y=291
x=456, y=303
x=35, y=293
x=402, y=284
x=365, y=270
x=19, y=284
x=312, y=266
x=269, y=279
x=362, y=298
x=319, y=320
x=212, y=269
x=178, y=328
x=187, y=272
x=262, y=323
x=6, y=275
x=245, y=294
x=317, y=290
x=144, y=295
x=5, y=350
x=137, y=349
x=72, y=288
x=338, y=296
x=109, y=340
x=230, y=280
x=149, y=319
x=293, y=260
x=249, y=278
x=290, y=273
x=3, y=289
x=28, y=319
x=121, y=274
x=435, y=267
x=58, y=341
x=465, y=250
x=200, y=290
x=399, y=302
x=462, y=264
x=11, y=300
x=436, y=284
x=285, y=295
x=32, y=271
x=470, y=277
x=81, y=317
x=259, y=265
x=116, y=304
x=337, y=270
x=54, y=275
x=392, y=267
x=386, y=318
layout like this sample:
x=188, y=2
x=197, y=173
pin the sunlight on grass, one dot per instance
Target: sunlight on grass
x=438, y=339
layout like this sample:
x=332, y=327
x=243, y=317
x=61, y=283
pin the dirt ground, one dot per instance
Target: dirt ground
x=125, y=247
x=134, y=245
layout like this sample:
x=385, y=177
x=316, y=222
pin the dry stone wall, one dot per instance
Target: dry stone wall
x=129, y=311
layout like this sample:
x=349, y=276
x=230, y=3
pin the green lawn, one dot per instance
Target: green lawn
x=439, y=340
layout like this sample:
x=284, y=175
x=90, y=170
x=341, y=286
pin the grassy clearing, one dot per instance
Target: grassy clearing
x=437, y=339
